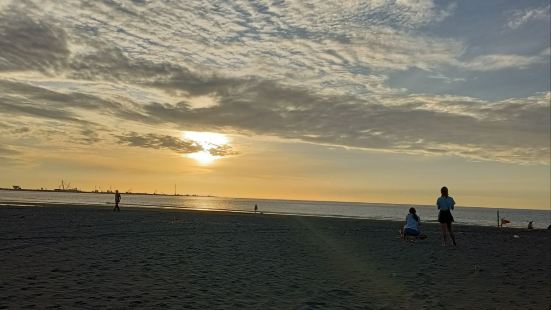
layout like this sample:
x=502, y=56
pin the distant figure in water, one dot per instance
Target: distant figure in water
x=531, y=225
x=117, y=200
x=255, y=208
x=412, y=226
x=445, y=204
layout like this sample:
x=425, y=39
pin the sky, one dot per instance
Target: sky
x=372, y=101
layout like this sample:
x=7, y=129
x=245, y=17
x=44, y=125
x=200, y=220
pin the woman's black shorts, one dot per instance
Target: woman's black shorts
x=445, y=216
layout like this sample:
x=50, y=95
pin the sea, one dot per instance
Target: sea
x=518, y=218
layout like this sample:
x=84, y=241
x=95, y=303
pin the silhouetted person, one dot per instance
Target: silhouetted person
x=531, y=225
x=445, y=204
x=117, y=200
x=255, y=208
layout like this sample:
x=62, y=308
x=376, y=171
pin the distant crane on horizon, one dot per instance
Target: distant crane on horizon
x=64, y=186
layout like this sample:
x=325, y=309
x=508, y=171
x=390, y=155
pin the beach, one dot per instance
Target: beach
x=69, y=256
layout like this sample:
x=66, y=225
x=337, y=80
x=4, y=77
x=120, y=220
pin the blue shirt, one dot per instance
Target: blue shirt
x=445, y=203
x=411, y=223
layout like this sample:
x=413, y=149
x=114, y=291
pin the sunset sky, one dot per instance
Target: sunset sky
x=373, y=101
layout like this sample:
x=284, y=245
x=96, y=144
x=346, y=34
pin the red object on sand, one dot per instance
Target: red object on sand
x=504, y=221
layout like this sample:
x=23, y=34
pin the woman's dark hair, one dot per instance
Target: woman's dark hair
x=444, y=191
x=414, y=213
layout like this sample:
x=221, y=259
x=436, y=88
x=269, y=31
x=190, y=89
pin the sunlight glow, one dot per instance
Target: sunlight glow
x=208, y=141
x=203, y=157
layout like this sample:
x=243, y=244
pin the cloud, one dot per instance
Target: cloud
x=320, y=15
x=30, y=44
x=320, y=45
x=521, y=17
x=179, y=145
x=222, y=150
x=21, y=130
x=47, y=117
x=232, y=38
x=16, y=107
x=18, y=98
x=389, y=122
x=310, y=71
x=9, y=155
x=8, y=151
x=89, y=136
x=504, y=61
x=446, y=79
x=156, y=141
x=508, y=126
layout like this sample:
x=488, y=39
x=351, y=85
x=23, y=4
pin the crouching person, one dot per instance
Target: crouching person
x=412, y=228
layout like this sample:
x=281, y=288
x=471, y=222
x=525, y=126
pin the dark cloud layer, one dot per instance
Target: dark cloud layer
x=222, y=150
x=23, y=99
x=156, y=141
x=29, y=44
x=182, y=146
x=271, y=110
x=15, y=107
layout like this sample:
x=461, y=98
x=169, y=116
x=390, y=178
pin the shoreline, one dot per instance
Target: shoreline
x=264, y=199
x=27, y=204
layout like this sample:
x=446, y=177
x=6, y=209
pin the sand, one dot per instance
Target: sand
x=89, y=257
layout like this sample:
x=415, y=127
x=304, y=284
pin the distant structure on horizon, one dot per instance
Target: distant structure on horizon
x=66, y=187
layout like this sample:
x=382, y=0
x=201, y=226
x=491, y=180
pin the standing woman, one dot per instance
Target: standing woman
x=445, y=204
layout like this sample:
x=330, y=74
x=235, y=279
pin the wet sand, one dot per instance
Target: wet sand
x=89, y=257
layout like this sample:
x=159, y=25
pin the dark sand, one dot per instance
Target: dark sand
x=90, y=257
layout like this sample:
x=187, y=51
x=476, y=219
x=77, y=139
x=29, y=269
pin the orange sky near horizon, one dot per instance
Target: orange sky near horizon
x=258, y=170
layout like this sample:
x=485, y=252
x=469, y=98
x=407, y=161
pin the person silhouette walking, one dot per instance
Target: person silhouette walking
x=117, y=200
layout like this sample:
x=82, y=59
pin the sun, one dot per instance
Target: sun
x=208, y=141
x=203, y=157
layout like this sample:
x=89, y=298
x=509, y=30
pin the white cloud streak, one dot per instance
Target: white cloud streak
x=504, y=61
x=521, y=17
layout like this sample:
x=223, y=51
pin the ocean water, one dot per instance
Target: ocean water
x=396, y=212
